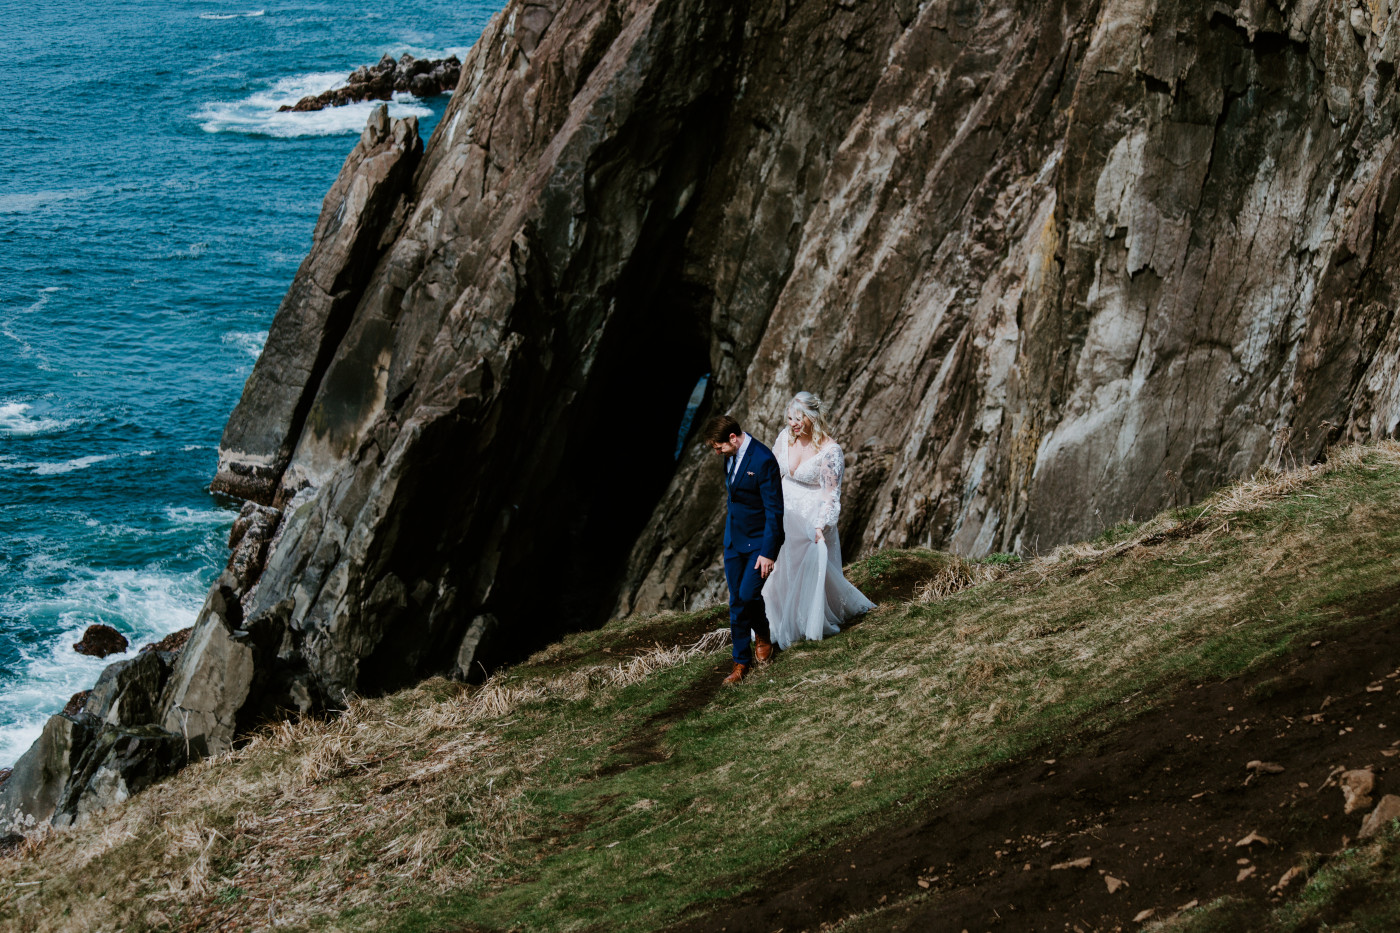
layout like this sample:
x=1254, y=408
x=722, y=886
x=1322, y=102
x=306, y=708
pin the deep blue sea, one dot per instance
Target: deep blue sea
x=154, y=207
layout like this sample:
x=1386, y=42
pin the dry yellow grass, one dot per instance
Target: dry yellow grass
x=292, y=826
x=419, y=792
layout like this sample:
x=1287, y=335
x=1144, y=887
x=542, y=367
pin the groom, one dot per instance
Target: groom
x=753, y=532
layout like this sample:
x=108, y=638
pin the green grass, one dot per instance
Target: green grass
x=581, y=790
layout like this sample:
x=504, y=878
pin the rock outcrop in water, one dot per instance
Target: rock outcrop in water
x=1056, y=262
x=100, y=640
x=421, y=77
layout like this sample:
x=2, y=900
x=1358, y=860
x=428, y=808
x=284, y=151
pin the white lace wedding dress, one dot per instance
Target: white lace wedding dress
x=806, y=596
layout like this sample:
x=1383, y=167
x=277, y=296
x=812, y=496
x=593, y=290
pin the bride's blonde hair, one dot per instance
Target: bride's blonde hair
x=805, y=404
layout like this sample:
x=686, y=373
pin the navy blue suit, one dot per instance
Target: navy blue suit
x=753, y=527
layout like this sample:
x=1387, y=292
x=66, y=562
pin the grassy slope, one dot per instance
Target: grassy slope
x=604, y=785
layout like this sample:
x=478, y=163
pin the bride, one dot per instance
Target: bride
x=806, y=596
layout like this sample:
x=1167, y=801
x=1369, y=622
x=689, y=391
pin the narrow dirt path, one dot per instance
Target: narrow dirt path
x=1158, y=807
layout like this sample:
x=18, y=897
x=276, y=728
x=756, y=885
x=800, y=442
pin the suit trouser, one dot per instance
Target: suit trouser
x=745, y=604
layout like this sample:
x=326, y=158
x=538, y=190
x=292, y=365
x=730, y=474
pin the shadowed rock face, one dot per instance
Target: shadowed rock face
x=1055, y=263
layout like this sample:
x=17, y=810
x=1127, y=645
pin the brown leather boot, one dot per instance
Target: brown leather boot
x=762, y=650
x=736, y=675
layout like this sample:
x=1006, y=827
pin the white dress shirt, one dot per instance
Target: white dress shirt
x=738, y=457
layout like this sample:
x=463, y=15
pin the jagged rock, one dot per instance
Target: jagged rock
x=114, y=764
x=1068, y=262
x=468, y=665
x=987, y=242
x=101, y=640
x=172, y=643
x=358, y=218
x=37, y=781
x=128, y=693
x=212, y=680
x=1388, y=809
x=76, y=702
x=422, y=77
x=232, y=674
x=252, y=531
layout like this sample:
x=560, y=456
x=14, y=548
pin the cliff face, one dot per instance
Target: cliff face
x=1055, y=262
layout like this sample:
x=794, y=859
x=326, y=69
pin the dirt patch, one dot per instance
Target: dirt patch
x=1158, y=807
x=889, y=576
x=643, y=745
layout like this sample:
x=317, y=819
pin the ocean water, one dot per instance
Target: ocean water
x=154, y=207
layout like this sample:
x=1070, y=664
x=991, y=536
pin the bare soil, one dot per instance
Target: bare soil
x=1160, y=804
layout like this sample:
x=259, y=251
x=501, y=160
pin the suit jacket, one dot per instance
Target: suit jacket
x=755, y=517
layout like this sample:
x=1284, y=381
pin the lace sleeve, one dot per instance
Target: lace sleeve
x=833, y=467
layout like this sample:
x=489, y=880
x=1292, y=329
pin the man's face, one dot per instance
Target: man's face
x=728, y=448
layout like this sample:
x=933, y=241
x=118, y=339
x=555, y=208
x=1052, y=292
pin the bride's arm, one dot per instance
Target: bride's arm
x=833, y=467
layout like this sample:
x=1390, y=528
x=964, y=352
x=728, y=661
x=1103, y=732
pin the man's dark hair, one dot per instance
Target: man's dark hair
x=718, y=429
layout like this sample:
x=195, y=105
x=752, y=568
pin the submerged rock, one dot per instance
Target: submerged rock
x=101, y=640
x=419, y=77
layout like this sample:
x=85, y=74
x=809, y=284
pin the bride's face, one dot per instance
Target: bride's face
x=800, y=425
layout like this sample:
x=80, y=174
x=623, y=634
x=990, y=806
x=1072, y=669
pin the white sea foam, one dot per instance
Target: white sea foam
x=188, y=516
x=257, y=115
x=418, y=51
x=248, y=15
x=68, y=466
x=250, y=344
x=15, y=422
x=26, y=201
x=144, y=604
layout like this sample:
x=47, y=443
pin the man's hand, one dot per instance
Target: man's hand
x=764, y=566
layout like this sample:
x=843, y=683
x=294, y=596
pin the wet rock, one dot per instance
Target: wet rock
x=76, y=703
x=1356, y=787
x=172, y=643
x=1388, y=809
x=101, y=640
x=420, y=77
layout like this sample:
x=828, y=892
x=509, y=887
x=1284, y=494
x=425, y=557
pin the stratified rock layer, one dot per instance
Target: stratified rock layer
x=1055, y=263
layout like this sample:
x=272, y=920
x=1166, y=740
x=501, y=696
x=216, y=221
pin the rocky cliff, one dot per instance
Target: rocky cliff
x=1055, y=262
